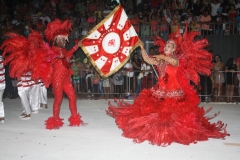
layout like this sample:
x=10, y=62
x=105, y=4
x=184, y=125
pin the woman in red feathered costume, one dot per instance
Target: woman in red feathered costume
x=57, y=33
x=169, y=112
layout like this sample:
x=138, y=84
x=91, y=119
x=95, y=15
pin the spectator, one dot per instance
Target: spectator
x=80, y=7
x=230, y=69
x=9, y=26
x=130, y=13
x=147, y=76
x=238, y=23
x=61, y=4
x=27, y=27
x=82, y=74
x=130, y=4
x=106, y=11
x=168, y=17
x=19, y=25
x=180, y=6
x=89, y=74
x=118, y=82
x=34, y=17
x=97, y=19
x=140, y=16
x=106, y=86
x=177, y=16
x=146, y=9
x=136, y=62
x=237, y=5
x=175, y=26
x=225, y=11
x=15, y=20
x=47, y=9
x=98, y=12
x=145, y=27
x=206, y=88
x=75, y=77
x=214, y=7
x=100, y=86
x=195, y=24
x=173, y=7
x=92, y=6
x=136, y=23
x=166, y=9
x=218, y=77
x=219, y=24
x=232, y=13
x=84, y=27
x=227, y=30
x=140, y=5
x=197, y=8
x=164, y=28
x=153, y=23
x=128, y=78
x=54, y=3
x=45, y=19
x=95, y=81
x=40, y=27
x=155, y=4
x=205, y=20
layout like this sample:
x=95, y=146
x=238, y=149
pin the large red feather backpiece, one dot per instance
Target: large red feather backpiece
x=18, y=52
x=32, y=54
x=192, y=53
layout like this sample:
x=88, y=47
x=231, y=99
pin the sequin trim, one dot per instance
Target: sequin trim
x=167, y=94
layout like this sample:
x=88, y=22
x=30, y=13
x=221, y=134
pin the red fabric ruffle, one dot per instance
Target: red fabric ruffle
x=162, y=121
x=75, y=121
x=53, y=123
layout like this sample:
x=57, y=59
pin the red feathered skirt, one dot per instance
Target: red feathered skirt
x=162, y=121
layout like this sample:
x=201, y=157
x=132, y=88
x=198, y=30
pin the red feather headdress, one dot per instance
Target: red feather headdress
x=57, y=28
x=192, y=53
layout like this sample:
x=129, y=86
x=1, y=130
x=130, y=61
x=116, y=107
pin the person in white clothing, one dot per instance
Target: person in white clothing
x=237, y=5
x=128, y=78
x=2, y=88
x=42, y=95
x=106, y=11
x=45, y=19
x=147, y=76
x=28, y=91
x=214, y=7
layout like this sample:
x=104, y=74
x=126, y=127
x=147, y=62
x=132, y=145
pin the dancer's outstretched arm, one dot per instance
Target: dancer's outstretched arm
x=173, y=61
x=146, y=58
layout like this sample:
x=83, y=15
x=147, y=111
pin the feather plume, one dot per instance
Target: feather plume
x=57, y=27
x=191, y=52
x=17, y=53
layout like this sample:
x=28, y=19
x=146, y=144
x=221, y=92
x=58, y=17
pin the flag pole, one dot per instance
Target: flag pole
x=151, y=64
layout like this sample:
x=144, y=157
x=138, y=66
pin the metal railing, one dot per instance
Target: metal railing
x=130, y=87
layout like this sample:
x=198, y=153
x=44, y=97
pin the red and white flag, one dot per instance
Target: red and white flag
x=109, y=44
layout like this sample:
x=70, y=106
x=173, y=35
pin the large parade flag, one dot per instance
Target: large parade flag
x=109, y=44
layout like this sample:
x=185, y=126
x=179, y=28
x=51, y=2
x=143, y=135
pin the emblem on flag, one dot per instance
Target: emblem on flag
x=109, y=44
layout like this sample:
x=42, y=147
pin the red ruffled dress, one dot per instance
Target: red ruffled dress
x=166, y=113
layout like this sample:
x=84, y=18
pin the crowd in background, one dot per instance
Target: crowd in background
x=149, y=17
